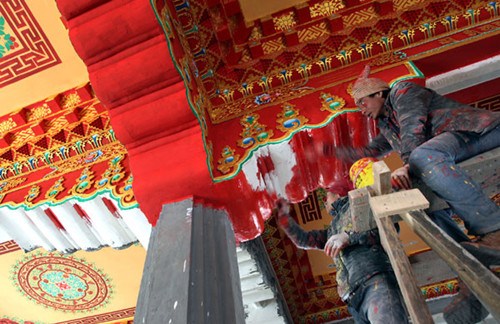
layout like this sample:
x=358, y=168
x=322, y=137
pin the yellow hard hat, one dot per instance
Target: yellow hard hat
x=361, y=172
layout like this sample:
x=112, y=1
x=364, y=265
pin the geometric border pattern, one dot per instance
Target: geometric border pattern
x=9, y=246
x=35, y=54
x=123, y=314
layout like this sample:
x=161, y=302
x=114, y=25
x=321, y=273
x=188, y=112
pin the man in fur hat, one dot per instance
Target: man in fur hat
x=432, y=134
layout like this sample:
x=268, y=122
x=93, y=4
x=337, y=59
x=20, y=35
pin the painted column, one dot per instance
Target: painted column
x=191, y=271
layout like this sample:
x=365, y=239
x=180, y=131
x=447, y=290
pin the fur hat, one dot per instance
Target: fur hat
x=365, y=86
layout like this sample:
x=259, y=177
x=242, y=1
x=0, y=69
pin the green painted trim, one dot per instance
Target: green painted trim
x=418, y=74
x=15, y=206
x=188, y=97
x=281, y=140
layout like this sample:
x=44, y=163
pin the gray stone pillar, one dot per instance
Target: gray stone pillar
x=191, y=271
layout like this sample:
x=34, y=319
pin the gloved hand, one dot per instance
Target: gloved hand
x=400, y=178
x=336, y=243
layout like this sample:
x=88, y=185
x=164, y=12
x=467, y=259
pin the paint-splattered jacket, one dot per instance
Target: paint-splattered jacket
x=415, y=114
x=361, y=260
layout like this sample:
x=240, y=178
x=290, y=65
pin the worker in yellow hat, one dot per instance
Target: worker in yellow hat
x=365, y=278
x=464, y=306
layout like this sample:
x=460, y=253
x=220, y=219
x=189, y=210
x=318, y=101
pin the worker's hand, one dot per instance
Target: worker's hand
x=336, y=243
x=400, y=178
x=283, y=211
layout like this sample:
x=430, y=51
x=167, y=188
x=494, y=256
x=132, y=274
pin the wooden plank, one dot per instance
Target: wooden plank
x=398, y=202
x=413, y=297
x=361, y=214
x=481, y=281
x=382, y=178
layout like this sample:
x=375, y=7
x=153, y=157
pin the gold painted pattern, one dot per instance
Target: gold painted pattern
x=56, y=188
x=10, y=184
x=23, y=136
x=359, y=17
x=84, y=183
x=39, y=112
x=326, y=8
x=7, y=125
x=285, y=22
x=331, y=103
x=401, y=5
x=254, y=133
x=256, y=34
x=33, y=193
x=70, y=100
x=228, y=161
x=88, y=114
x=273, y=46
x=289, y=119
x=56, y=125
x=314, y=32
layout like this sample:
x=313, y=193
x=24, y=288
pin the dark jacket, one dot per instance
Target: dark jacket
x=362, y=259
x=414, y=115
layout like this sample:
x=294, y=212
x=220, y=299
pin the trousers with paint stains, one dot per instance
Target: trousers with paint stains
x=378, y=300
x=435, y=163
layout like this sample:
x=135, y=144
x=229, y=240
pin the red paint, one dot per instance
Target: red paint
x=265, y=164
x=111, y=207
x=402, y=91
x=133, y=75
x=53, y=218
x=82, y=213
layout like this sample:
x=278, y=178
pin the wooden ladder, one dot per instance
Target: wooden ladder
x=409, y=205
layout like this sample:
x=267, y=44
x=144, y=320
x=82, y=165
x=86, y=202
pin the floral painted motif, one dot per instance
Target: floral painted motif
x=60, y=282
x=289, y=119
x=7, y=42
x=254, y=133
x=228, y=161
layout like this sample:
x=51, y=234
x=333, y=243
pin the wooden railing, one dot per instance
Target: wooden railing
x=409, y=206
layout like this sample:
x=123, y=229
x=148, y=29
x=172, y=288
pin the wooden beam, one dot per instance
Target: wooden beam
x=191, y=272
x=412, y=295
x=398, y=202
x=381, y=178
x=481, y=281
x=361, y=214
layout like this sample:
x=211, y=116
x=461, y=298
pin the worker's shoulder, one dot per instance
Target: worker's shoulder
x=405, y=84
x=407, y=88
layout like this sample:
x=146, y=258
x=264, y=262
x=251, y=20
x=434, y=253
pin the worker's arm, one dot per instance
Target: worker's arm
x=377, y=147
x=307, y=240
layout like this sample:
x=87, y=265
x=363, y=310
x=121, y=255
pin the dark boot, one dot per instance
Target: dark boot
x=464, y=308
x=486, y=249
